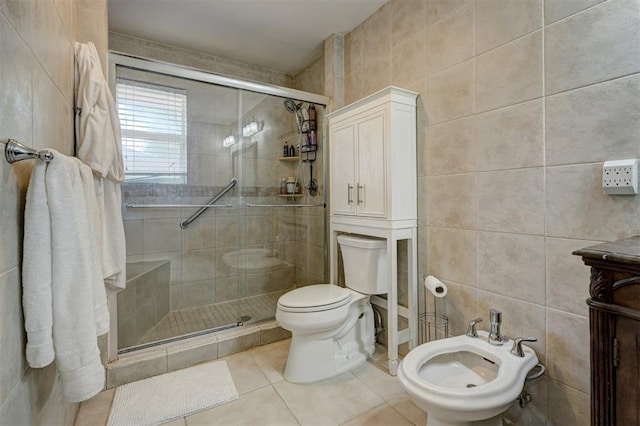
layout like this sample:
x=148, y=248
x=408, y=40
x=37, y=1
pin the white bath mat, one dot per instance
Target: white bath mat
x=173, y=395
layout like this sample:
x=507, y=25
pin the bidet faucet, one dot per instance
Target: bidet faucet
x=495, y=337
x=471, y=329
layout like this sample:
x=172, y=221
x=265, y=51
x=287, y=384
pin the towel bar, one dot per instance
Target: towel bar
x=15, y=151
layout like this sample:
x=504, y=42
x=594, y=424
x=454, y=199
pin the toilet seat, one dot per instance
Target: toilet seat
x=314, y=298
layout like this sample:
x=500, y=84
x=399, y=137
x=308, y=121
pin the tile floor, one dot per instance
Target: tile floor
x=366, y=395
x=191, y=320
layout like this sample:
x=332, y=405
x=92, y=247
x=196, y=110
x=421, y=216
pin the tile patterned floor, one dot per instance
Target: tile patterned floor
x=366, y=395
x=186, y=321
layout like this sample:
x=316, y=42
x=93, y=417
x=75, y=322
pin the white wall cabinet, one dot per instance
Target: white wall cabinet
x=373, y=157
x=373, y=191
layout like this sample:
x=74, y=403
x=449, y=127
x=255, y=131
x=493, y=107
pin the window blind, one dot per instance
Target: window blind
x=153, y=120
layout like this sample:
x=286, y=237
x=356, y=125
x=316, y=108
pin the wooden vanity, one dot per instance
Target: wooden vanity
x=614, y=321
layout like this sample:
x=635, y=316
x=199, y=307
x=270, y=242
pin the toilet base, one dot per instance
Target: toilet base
x=493, y=421
x=312, y=358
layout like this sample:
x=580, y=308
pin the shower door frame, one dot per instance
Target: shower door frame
x=116, y=59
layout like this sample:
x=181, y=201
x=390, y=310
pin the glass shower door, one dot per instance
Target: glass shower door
x=181, y=212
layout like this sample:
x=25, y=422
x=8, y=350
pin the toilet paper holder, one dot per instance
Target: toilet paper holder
x=432, y=324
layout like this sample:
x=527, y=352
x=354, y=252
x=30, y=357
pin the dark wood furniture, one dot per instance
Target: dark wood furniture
x=614, y=318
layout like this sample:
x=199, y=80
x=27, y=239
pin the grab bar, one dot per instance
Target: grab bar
x=285, y=205
x=173, y=206
x=185, y=224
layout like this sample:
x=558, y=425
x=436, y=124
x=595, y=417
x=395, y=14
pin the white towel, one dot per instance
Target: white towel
x=100, y=147
x=64, y=300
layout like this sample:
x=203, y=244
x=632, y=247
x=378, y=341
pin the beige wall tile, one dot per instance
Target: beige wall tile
x=568, y=349
x=408, y=17
x=567, y=406
x=439, y=9
x=512, y=265
x=596, y=45
x=376, y=37
x=460, y=306
x=16, y=104
x=409, y=60
x=54, y=49
x=353, y=51
x=595, y=123
x=133, y=236
x=511, y=137
x=519, y=318
x=452, y=255
x=512, y=201
x=451, y=40
x=450, y=93
x=160, y=235
x=510, y=74
x=52, y=115
x=16, y=409
x=567, y=276
x=500, y=21
x=558, y=9
x=452, y=201
x=13, y=365
x=200, y=234
x=451, y=147
x=577, y=208
x=376, y=75
x=422, y=201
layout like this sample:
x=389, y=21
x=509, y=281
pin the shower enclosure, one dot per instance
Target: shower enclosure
x=211, y=240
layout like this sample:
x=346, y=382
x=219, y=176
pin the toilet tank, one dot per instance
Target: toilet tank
x=365, y=263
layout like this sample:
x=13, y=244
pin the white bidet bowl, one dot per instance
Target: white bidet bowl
x=464, y=381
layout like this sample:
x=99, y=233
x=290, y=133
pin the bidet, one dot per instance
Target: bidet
x=465, y=381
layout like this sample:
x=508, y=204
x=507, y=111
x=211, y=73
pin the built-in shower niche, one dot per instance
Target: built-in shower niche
x=144, y=302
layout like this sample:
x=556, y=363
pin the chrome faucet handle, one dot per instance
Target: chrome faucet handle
x=495, y=316
x=471, y=330
x=516, y=349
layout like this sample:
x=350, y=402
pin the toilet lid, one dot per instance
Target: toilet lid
x=315, y=297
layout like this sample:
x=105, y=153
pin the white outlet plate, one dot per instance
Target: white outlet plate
x=620, y=177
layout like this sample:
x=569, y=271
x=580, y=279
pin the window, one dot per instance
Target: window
x=153, y=119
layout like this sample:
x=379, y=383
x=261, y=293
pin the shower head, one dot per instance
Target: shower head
x=291, y=106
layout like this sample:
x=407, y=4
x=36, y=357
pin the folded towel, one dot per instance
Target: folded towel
x=100, y=147
x=64, y=299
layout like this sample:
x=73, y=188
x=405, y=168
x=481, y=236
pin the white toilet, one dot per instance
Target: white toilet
x=332, y=327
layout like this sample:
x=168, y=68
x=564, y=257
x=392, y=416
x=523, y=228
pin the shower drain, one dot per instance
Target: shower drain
x=471, y=385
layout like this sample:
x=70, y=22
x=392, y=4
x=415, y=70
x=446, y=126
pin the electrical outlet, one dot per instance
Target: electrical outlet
x=620, y=177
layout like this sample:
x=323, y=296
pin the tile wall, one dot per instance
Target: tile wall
x=36, y=108
x=162, y=52
x=520, y=103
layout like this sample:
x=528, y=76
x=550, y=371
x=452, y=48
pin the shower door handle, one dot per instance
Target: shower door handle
x=349, y=193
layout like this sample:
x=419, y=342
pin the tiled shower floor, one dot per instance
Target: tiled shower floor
x=187, y=321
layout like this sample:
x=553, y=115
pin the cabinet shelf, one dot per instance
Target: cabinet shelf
x=296, y=158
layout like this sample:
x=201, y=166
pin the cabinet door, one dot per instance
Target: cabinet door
x=343, y=139
x=371, y=182
x=627, y=373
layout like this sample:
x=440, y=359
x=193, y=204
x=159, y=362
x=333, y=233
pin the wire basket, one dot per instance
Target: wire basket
x=433, y=326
